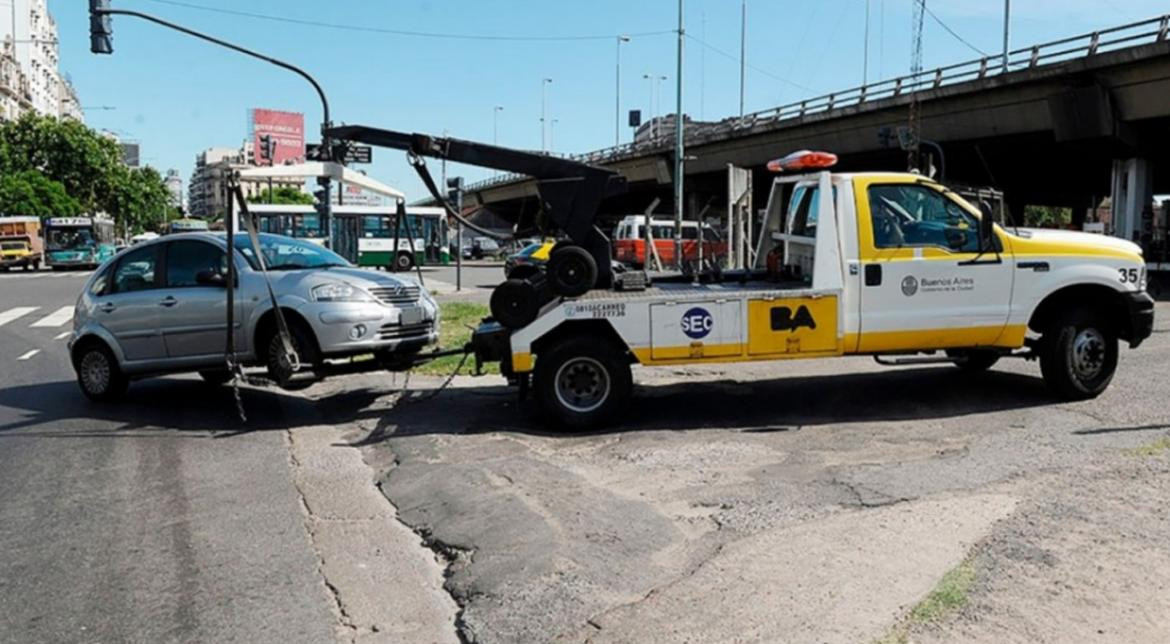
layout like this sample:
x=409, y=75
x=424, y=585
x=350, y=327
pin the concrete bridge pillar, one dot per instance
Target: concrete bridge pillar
x=1133, y=194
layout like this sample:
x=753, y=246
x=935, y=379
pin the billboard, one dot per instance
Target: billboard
x=287, y=132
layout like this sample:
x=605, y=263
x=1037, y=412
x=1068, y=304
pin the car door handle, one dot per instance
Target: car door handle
x=108, y=307
x=168, y=301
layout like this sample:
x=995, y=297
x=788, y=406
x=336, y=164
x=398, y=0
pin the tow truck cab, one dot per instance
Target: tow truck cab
x=883, y=264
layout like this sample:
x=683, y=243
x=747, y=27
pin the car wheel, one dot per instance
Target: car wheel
x=582, y=383
x=571, y=270
x=1078, y=355
x=215, y=377
x=279, y=370
x=98, y=374
x=973, y=360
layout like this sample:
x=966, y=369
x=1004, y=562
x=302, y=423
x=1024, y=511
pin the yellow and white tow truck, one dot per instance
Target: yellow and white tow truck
x=886, y=264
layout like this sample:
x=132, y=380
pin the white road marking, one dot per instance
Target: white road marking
x=56, y=318
x=18, y=312
x=29, y=354
x=62, y=336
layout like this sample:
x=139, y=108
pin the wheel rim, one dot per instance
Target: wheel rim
x=570, y=273
x=1088, y=354
x=582, y=385
x=95, y=372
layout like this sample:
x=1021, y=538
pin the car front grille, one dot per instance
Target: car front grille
x=401, y=332
x=396, y=294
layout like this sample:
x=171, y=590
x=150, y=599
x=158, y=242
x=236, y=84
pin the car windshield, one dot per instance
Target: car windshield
x=288, y=254
x=67, y=238
x=12, y=246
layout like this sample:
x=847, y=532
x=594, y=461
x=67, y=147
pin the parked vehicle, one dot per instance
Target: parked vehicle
x=159, y=308
x=78, y=242
x=528, y=260
x=629, y=241
x=891, y=265
x=20, y=243
x=481, y=248
x=188, y=225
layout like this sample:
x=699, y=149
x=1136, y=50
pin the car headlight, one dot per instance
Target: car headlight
x=340, y=292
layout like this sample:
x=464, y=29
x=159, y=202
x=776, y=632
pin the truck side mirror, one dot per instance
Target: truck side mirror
x=986, y=227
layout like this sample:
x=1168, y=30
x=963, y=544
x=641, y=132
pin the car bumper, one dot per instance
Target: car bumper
x=1140, y=319
x=356, y=328
x=16, y=261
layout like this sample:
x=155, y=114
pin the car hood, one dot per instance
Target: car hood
x=363, y=279
x=1076, y=240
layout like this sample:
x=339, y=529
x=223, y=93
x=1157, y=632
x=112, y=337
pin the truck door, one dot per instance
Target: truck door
x=924, y=284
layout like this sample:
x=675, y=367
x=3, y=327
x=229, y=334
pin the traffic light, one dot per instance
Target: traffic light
x=454, y=189
x=101, y=30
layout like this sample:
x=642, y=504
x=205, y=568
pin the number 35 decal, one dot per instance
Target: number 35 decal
x=1130, y=275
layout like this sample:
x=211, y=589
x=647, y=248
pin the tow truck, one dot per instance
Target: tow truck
x=891, y=265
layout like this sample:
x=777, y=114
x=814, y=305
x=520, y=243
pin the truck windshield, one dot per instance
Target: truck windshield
x=69, y=238
x=12, y=246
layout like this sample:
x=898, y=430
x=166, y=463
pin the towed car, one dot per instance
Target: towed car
x=160, y=307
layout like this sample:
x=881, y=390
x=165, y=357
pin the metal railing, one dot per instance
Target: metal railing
x=1149, y=31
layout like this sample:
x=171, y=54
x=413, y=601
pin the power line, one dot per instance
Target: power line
x=402, y=32
x=751, y=66
x=951, y=31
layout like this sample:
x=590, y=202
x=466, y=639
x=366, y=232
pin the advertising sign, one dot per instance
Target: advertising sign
x=287, y=132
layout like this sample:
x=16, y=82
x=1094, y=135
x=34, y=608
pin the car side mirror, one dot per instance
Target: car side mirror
x=210, y=278
x=986, y=227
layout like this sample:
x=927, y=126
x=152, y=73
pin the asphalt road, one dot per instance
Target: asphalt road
x=150, y=521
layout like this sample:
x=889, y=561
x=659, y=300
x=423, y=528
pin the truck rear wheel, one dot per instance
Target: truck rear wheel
x=1078, y=355
x=582, y=382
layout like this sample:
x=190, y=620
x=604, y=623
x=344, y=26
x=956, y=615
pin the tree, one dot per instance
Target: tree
x=283, y=195
x=31, y=194
x=138, y=198
x=1047, y=216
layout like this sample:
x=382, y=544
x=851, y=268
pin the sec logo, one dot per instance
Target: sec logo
x=697, y=323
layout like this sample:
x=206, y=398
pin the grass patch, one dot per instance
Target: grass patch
x=948, y=596
x=1156, y=448
x=454, y=332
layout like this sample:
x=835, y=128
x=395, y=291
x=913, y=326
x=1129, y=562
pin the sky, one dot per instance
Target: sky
x=444, y=65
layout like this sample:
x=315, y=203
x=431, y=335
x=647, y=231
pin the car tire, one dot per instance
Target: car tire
x=279, y=371
x=571, y=270
x=515, y=303
x=582, y=383
x=973, y=360
x=216, y=377
x=403, y=262
x=1078, y=355
x=98, y=373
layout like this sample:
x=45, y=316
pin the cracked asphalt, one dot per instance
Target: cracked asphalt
x=748, y=502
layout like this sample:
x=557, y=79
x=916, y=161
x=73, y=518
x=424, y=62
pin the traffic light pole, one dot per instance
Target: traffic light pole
x=101, y=9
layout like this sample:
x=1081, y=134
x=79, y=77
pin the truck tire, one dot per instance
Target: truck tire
x=403, y=262
x=515, y=303
x=581, y=383
x=1078, y=355
x=973, y=360
x=98, y=374
x=571, y=271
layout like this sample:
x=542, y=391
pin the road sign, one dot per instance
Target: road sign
x=346, y=153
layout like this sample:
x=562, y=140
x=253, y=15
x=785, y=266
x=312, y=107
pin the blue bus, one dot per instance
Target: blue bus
x=78, y=242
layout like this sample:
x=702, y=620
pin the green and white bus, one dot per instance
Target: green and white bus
x=78, y=242
x=365, y=234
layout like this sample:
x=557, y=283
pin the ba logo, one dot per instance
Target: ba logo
x=697, y=323
x=784, y=320
x=909, y=285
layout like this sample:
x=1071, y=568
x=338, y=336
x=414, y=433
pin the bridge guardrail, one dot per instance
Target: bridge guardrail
x=1133, y=34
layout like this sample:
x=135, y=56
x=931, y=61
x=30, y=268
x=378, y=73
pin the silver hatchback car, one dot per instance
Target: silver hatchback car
x=160, y=307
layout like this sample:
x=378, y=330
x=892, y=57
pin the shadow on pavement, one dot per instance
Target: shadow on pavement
x=772, y=405
x=157, y=407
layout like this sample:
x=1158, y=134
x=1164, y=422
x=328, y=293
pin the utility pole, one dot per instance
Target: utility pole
x=1007, y=19
x=865, y=54
x=496, y=124
x=678, y=142
x=543, y=104
x=742, y=52
x=617, y=101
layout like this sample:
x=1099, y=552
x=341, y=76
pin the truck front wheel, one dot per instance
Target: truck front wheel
x=582, y=383
x=1078, y=355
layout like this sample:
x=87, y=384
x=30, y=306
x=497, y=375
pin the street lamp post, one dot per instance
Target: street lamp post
x=742, y=52
x=617, y=101
x=544, y=83
x=1007, y=13
x=496, y=124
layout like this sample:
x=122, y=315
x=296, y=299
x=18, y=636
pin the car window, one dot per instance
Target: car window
x=285, y=253
x=101, y=282
x=690, y=232
x=911, y=215
x=135, y=271
x=187, y=258
x=662, y=232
